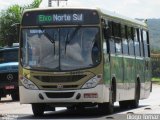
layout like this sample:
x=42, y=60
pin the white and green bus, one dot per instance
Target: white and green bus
x=82, y=57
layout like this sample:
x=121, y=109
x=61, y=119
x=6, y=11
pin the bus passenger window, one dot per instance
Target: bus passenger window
x=111, y=38
x=116, y=30
x=124, y=40
x=146, y=52
x=112, y=45
x=136, y=43
x=118, y=46
x=110, y=24
x=141, y=42
x=131, y=42
x=117, y=37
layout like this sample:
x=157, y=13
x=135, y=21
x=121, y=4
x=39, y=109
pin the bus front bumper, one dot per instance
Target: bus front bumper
x=99, y=94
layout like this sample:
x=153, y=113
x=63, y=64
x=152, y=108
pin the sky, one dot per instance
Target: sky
x=130, y=8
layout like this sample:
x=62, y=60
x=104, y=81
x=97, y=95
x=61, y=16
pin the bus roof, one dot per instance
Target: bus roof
x=106, y=13
x=114, y=16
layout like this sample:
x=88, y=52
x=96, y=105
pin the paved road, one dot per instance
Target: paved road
x=9, y=109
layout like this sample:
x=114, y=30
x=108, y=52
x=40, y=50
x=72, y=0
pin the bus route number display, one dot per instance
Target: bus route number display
x=61, y=18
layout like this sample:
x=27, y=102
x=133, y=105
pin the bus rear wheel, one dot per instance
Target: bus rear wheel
x=132, y=103
x=38, y=109
x=135, y=103
x=124, y=104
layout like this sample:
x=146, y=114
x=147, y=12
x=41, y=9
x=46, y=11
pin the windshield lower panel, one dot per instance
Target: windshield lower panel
x=60, y=49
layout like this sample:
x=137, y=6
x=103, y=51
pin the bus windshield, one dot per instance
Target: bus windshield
x=57, y=49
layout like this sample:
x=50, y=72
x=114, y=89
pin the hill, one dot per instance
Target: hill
x=154, y=32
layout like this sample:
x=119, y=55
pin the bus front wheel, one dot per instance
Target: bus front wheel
x=108, y=107
x=15, y=96
x=38, y=109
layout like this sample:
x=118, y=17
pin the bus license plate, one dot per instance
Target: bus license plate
x=10, y=87
x=90, y=95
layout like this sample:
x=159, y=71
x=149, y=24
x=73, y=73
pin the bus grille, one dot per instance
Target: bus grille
x=64, y=86
x=60, y=95
x=59, y=79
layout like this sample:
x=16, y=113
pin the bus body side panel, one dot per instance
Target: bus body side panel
x=140, y=75
x=129, y=77
x=117, y=74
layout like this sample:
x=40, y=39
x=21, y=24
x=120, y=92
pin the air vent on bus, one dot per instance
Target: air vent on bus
x=60, y=95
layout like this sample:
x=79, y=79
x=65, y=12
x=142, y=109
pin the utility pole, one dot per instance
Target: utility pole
x=58, y=2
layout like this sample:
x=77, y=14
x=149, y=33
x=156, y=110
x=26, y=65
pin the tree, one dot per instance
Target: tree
x=34, y=4
x=8, y=17
x=8, y=33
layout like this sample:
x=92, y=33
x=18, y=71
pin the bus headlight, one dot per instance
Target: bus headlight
x=28, y=84
x=92, y=82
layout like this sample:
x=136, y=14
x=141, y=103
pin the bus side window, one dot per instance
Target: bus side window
x=124, y=39
x=117, y=38
x=146, y=45
x=141, y=43
x=111, y=38
x=136, y=43
x=131, y=41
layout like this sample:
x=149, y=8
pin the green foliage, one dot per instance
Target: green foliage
x=8, y=33
x=156, y=80
x=156, y=66
x=154, y=33
x=34, y=4
x=8, y=17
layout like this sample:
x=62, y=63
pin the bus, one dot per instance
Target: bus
x=82, y=57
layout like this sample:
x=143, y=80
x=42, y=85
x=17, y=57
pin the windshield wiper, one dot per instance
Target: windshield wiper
x=51, y=39
x=67, y=41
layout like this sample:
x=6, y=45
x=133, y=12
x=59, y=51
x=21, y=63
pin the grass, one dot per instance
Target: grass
x=156, y=80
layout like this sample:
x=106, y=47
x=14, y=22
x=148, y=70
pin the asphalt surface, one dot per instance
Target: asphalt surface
x=149, y=109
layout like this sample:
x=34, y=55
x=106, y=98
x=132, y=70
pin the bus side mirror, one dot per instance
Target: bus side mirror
x=105, y=29
x=106, y=33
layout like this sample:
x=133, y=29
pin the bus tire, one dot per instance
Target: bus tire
x=15, y=96
x=38, y=109
x=80, y=108
x=135, y=103
x=124, y=104
x=71, y=108
x=108, y=107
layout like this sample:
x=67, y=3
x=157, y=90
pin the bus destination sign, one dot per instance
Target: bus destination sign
x=60, y=18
